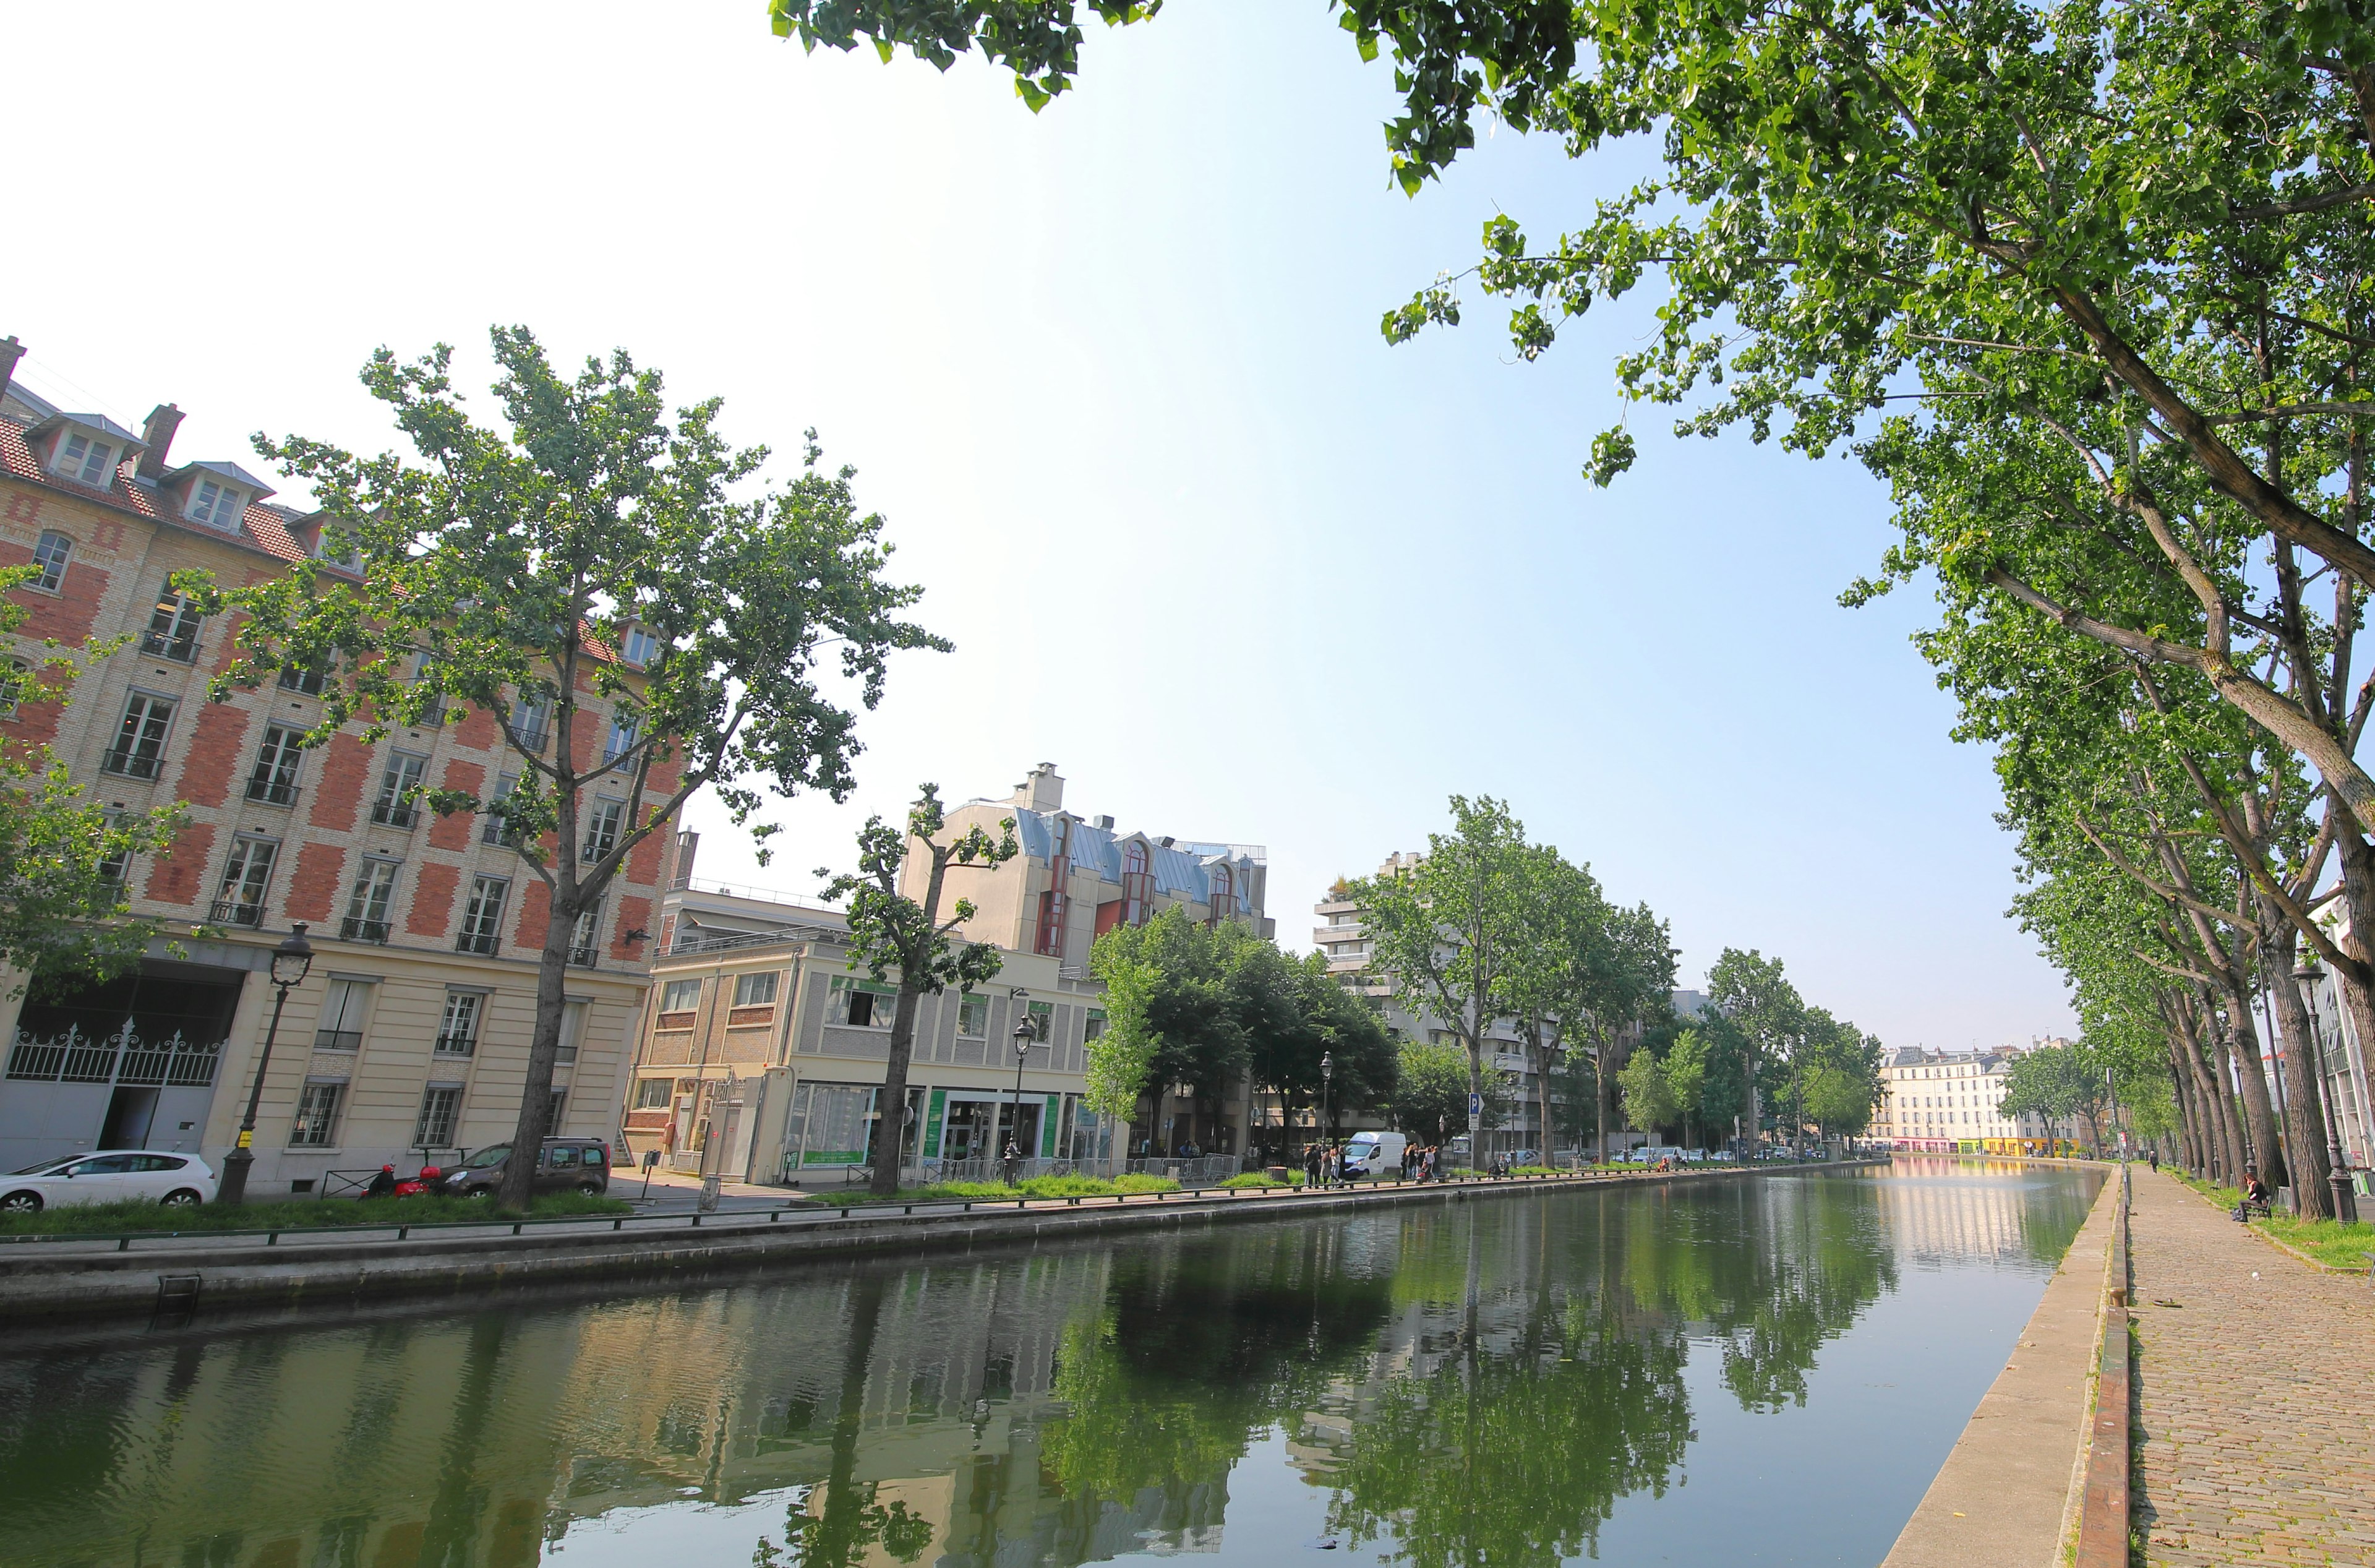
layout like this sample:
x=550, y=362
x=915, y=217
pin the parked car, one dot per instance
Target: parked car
x=109, y=1175
x=565, y=1164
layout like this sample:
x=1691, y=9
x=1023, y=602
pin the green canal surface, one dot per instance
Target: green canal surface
x=1762, y=1371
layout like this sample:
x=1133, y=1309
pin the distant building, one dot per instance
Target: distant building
x=1947, y=1103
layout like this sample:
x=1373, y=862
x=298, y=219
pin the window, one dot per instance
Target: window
x=755, y=990
x=83, y=459
x=246, y=876
x=18, y=688
x=532, y=721
x=494, y=830
x=216, y=506
x=552, y=1123
x=441, y=1107
x=861, y=1004
x=639, y=647
x=397, y=806
x=433, y=709
x=1225, y=896
x=305, y=679
x=141, y=738
x=1095, y=1028
x=602, y=824
x=367, y=904
x=572, y=1034
x=585, y=937
x=341, y=1028
x=50, y=555
x=457, y=1031
x=114, y=869
x=274, y=781
x=483, y=921
x=1137, y=886
x=173, y=628
x=680, y=997
x=623, y=729
x=972, y=1016
x=655, y=1093
x=317, y=1116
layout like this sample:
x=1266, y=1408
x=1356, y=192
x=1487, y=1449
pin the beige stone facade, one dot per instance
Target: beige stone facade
x=408, y=1038
x=763, y=1051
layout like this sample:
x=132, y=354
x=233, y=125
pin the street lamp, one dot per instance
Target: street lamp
x=2337, y=1171
x=1327, y=1081
x=1023, y=1036
x=290, y=959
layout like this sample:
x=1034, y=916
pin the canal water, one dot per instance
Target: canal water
x=1762, y=1370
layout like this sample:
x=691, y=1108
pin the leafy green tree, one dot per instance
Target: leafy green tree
x=1650, y=1099
x=1687, y=1063
x=1764, y=1013
x=1448, y=931
x=511, y=569
x=890, y=931
x=1180, y=1012
x=1431, y=1093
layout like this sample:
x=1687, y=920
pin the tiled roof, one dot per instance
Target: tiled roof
x=261, y=528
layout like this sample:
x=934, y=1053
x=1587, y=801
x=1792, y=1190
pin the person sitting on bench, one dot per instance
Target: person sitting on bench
x=2255, y=1197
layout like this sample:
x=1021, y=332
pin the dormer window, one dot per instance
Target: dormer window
x=639, y=647
x=85, y=459
x=217, y=506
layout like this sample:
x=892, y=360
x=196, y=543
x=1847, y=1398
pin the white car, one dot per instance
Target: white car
x=109, y=1175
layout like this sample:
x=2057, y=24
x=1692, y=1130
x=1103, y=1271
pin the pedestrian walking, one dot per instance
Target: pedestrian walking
x=1311, y=1165
x=1011, y=1161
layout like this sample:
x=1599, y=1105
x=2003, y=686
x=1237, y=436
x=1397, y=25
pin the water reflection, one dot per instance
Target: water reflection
x=1484, y=1383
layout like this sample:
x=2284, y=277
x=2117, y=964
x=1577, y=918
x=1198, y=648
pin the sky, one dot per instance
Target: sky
x=1112, y=376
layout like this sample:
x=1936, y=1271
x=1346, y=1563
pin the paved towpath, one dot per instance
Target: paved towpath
x=2255, y=1391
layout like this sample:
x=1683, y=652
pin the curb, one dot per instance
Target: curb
x=2102, y=1533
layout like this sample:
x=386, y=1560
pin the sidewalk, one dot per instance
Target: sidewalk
x=2255, y=1393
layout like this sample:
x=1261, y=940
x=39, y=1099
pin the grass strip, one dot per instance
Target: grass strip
x=1031, y=1186
x=2328, y=1241
x=303, y=1214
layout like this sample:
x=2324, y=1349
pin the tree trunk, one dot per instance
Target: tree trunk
x=2212, y=1103
x=2258, y=1107
x=1543, y=1056
x=517, y=1188
x=891, y=1122
x=2304, y=1126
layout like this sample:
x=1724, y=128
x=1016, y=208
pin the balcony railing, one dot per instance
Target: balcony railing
x=338, y=1039
x=237, y=912
x=130, y=764
x=585, y=957
x=182, y=650
x=356, y=929
x=395, y=813
x=273, y=792
x=456, y=1045
x=478, y=942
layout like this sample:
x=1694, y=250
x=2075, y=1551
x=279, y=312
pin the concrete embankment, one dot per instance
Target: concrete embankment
x=78, y=1278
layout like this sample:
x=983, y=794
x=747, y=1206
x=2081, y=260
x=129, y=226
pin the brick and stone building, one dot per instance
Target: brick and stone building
x=410, y=1035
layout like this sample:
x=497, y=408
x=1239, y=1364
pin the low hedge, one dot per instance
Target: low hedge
x=1031, y=1186
x=301, y=1214
x=1258, y=1179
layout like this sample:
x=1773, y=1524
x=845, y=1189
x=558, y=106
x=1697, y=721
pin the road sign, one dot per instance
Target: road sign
x=1475, y=1107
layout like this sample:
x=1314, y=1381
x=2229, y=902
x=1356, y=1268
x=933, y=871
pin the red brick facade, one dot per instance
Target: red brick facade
x=316, y=882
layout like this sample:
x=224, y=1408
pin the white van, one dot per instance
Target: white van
x=1374, y=1154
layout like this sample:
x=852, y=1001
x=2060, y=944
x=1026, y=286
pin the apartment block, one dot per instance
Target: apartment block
x=408, y=1039
x=1952, y=1102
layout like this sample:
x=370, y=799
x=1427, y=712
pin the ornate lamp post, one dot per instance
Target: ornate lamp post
x=1024, y=1037
x=1327, y=1082
x=2337, y=1168
x=290, y=959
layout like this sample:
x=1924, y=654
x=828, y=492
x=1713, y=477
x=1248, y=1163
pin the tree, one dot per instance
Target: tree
x=1180, y=1012
x=1448, y=930
x=1686, y=1062
x=1121, y=1060
x=65, y=917
x=1565, y=933
x=889, y=930
x=1650, y=1101
x=517, y=569
x=1430, y=1089
x=1763, y=1012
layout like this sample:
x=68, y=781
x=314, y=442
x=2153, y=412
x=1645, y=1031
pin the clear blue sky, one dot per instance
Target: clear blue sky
x=1114, y=374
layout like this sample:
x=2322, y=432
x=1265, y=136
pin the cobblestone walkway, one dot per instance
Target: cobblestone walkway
x=2256, y=1395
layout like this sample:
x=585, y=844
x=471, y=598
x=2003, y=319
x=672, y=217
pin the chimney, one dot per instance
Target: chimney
x=687, y=845
x=10, y=352
x=1104, y=824
x=1042, y=791
x=163, y=420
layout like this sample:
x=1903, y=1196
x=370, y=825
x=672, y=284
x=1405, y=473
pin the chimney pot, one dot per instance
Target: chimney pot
x=10, y=352
x=163, y=420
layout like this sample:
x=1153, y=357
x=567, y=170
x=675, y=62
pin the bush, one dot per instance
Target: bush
x=1257, y=1179
x=994, y=1192
x=300, y=1214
